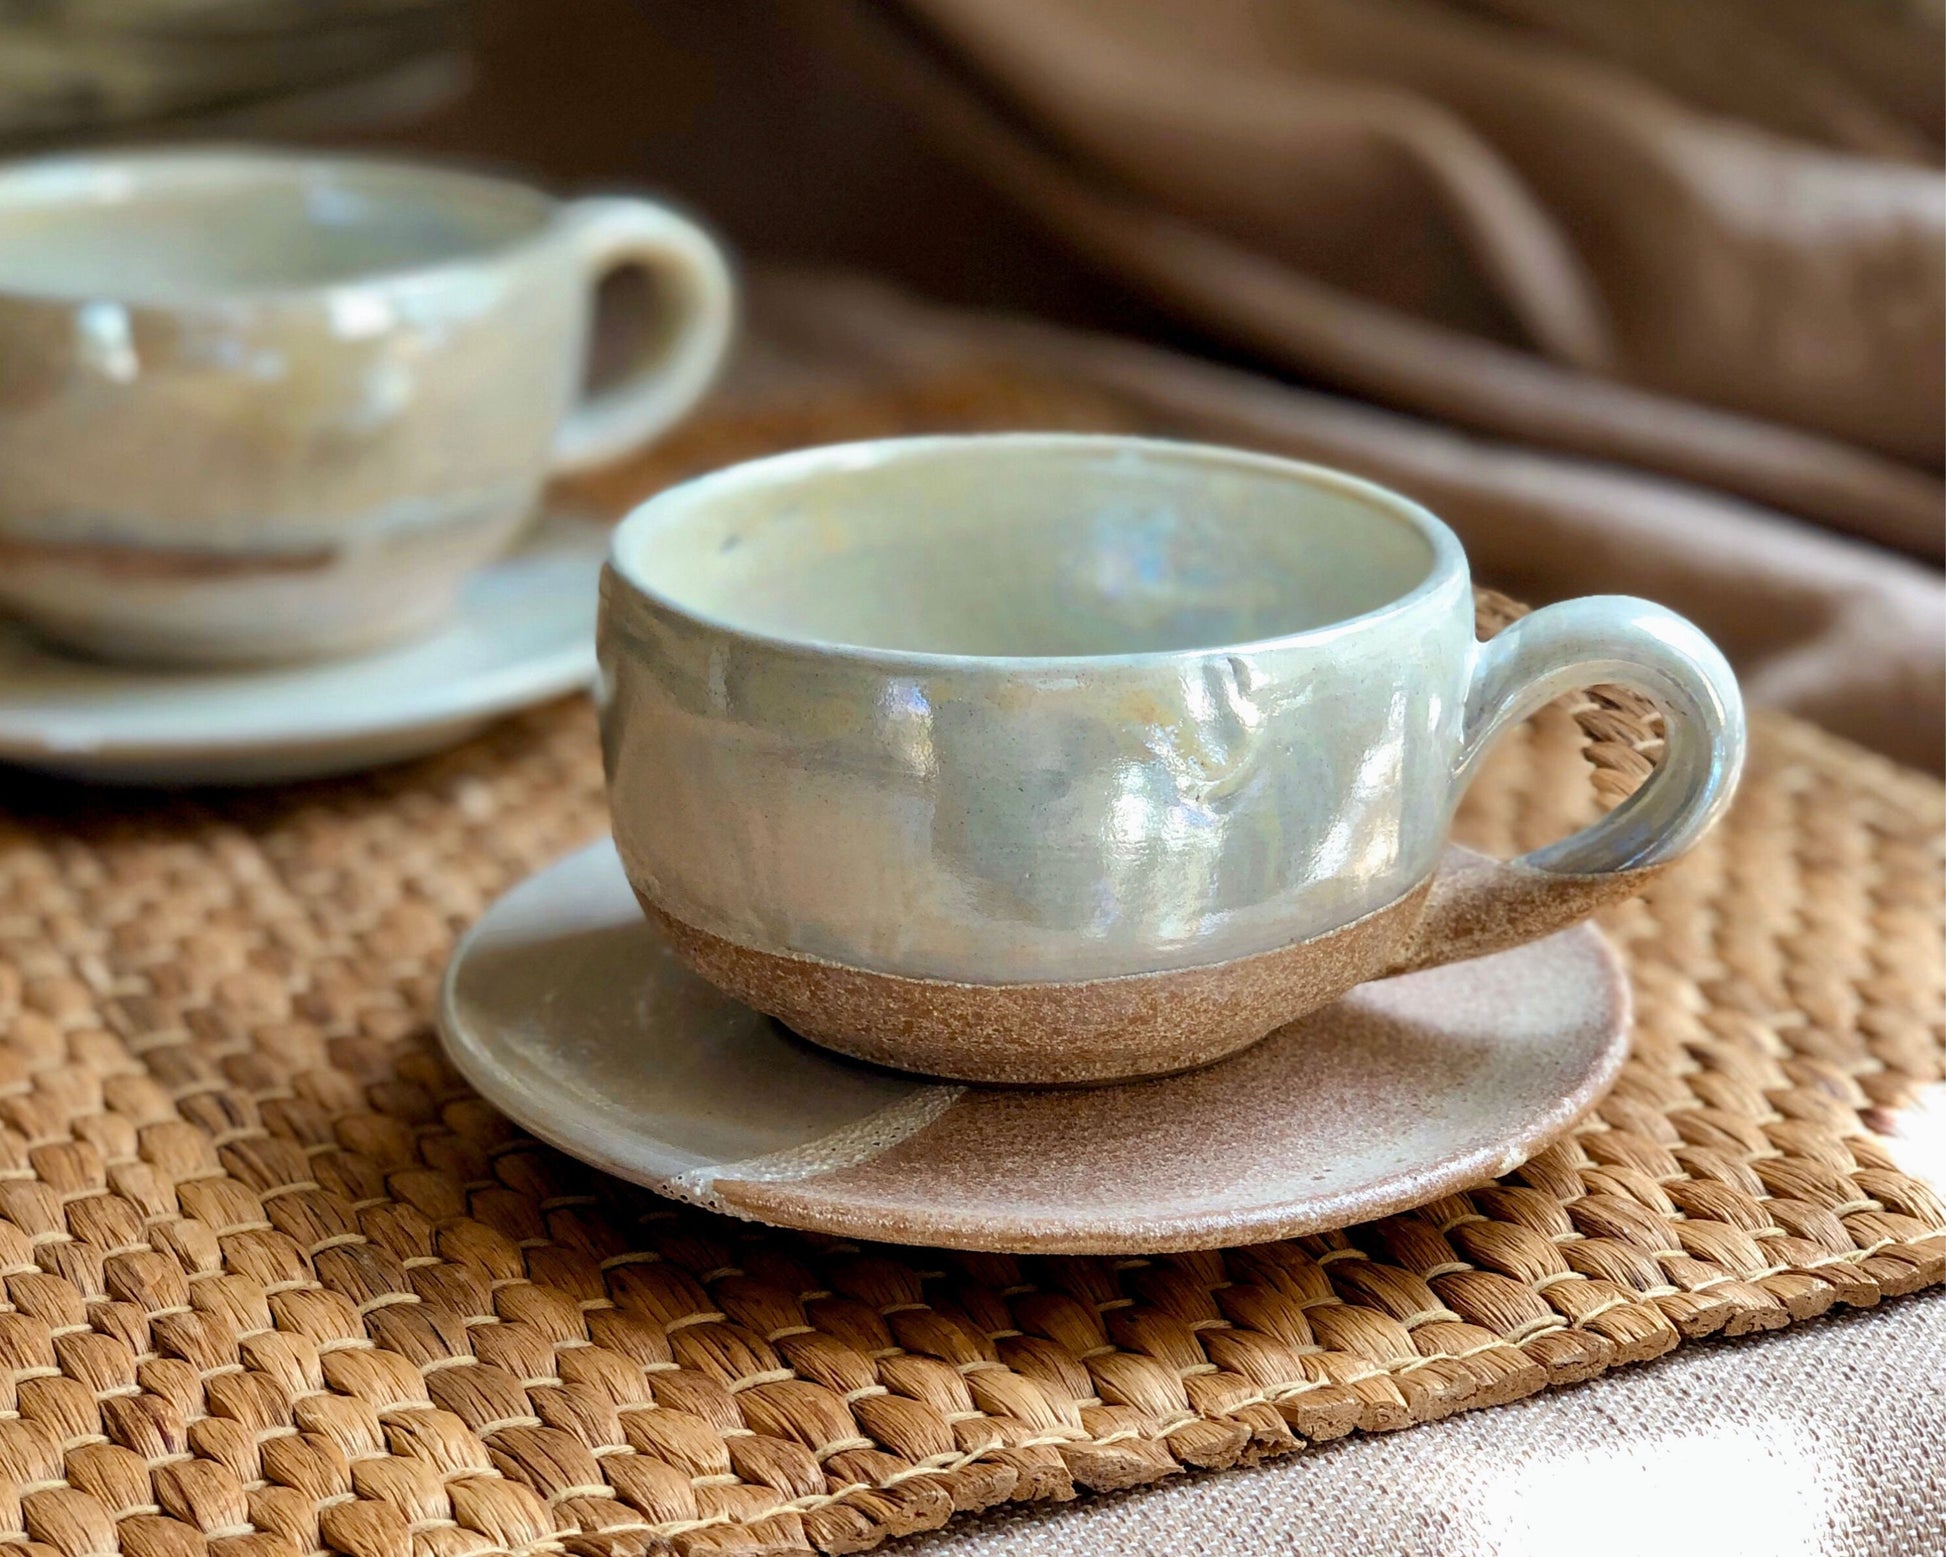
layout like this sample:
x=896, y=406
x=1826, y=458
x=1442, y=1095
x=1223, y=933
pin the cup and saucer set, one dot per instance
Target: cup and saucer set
x=1038, y=843
x=1023, y=842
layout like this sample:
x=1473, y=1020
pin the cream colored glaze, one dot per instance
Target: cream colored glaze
x=1244, y=699
x=257, y=405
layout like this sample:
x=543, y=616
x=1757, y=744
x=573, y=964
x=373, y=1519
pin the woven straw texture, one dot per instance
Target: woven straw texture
x=275, y=1282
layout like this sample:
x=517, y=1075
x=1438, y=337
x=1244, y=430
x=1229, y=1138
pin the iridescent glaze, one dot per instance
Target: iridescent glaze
x=1043, y=710
x=262, y=405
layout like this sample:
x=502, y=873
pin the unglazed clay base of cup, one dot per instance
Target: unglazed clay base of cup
x=157, y=606
x=523, y=632
x=1050, y=1034
x=575, y=1016
x=1091, y=1031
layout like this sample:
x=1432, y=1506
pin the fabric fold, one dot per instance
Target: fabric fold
x=1494, y=220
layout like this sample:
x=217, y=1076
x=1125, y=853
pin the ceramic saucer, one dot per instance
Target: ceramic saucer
x=573, y=1016
x=525, y=632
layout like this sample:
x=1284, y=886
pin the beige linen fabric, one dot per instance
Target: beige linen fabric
x=1827, y=1441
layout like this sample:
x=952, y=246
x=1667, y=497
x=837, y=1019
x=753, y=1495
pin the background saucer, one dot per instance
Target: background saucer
x=573, y=1016
x=524, y=632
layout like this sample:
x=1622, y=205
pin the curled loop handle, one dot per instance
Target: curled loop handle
x=1480, y=906
x=685, y=335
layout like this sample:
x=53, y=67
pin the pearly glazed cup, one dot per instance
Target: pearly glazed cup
x=258, y=405
x=1043, y=759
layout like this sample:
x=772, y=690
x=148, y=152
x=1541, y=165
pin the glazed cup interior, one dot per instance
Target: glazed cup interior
x=185, y=227
x=1027, y=546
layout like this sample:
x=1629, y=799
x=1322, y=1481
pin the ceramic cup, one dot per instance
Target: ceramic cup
x=258, y=406
x=1040, y=758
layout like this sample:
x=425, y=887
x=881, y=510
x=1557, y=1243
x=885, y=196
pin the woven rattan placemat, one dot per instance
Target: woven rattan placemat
x=275, y=1282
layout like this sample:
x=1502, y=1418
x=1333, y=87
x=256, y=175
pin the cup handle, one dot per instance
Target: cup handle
x=1477, y=906
x=686, y=339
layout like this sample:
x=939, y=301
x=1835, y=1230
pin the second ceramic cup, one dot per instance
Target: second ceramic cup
x=263, y=406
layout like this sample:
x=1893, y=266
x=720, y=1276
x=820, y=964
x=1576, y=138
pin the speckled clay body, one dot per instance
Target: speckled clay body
x=1040, y=758
x=257, y=405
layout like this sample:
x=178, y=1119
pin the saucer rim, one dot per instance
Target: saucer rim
x=769, y=1201
x=448, y=707
x=1189, y=1232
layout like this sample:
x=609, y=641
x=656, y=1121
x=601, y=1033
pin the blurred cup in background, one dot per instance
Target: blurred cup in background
x=261, y=406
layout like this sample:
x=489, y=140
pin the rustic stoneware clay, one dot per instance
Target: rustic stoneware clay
x=1039, y=758
x=523, y=633
x=572, y=1014
x=268, y=406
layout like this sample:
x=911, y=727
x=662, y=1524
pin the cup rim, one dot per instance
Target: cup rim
x=1447, y=563
x=86, y=172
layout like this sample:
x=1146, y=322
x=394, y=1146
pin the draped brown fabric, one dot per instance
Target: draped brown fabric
x=1485, y=223
x=81, y=70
